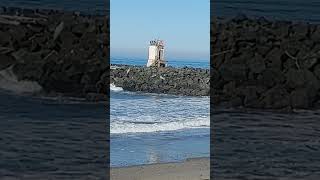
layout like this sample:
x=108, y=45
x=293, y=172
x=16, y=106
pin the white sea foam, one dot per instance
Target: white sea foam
x=9, y=82
x=123, y=126
x=115, y=88
x=144, y=113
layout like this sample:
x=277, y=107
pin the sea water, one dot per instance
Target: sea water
x=85, y=6
x=153, y=128
x=51, y=136
x=294, y=10
x=145, y=128
x=195, y=63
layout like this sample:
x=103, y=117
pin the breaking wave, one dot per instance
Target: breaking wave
x=9, y=82
x=125, y=126
x=115, y=88
x=145, y=113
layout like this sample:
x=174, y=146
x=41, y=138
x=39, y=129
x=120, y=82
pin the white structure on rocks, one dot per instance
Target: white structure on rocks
x=156, y=54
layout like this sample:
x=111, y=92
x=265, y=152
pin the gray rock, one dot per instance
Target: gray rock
x=6, y=61
x=275, y=98
x=299, y=99
x=233, y=72
x=310, y=63
x=95, y=97
x=250, y=96
x=274, y=56
x=58, y=31
x=4, y=39
x=301, y=78
x=271, y=77
x=317, y=71
x=257, y=64
x=80, y=29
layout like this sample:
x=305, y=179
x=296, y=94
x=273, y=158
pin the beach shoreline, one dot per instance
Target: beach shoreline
x=190, y=169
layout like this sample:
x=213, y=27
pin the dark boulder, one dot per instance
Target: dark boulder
x=6, y=61
x=275, y=98
x=299, y=99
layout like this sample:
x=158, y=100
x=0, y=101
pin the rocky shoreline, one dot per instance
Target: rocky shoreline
x=176, y=81
x=258, y=63
x=64, y=52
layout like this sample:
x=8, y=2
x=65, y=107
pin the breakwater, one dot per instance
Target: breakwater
x=54, y=52
x=257, y=63
x=64, y=52
x=169, y=80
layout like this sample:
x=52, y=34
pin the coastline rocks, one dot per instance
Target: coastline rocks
x=169, y=80
x=257, y=63
x=64, y=52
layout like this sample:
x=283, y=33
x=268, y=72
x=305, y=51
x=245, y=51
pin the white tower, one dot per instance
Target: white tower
x=156, y=54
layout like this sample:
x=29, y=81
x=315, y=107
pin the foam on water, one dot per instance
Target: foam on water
x=145, y=113
x=115, y=88
x=124, y=125
x=9, y=82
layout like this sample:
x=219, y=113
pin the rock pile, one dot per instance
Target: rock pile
x=169, y=80
x=257, y=63
x=64, y=52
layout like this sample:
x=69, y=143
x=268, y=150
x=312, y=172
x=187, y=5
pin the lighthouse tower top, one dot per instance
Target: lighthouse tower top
x=156, y=43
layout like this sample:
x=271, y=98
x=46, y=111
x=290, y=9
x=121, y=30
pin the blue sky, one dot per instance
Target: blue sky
x=184, y=25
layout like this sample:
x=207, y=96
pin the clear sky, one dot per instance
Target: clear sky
x=184, y=25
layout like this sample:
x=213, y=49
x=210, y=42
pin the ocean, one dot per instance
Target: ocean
x=86, y=6
x=155, y=128
x=295, y=10
x=261, y=144
x=150, y=128
x=55, y=134
x=56, y=137
x=179, y=63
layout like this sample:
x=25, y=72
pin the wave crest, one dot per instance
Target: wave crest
x=120, y=127
x=9, y=82
x=115, y=88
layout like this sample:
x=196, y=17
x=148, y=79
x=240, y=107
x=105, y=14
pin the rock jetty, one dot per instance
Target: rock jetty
x=177, y=81
x=258, y=63
x=255, y=63
x=65, y=52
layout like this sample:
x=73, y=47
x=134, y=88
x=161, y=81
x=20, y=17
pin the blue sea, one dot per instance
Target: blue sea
x=179, y=63
x=153, y=128
x=296, y=10
x=52, y=134
x=85, y=6
x=43, y=137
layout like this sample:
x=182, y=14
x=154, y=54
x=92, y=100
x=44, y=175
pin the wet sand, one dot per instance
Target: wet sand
x=191, y=169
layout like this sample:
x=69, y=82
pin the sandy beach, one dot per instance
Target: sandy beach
x=191, y=169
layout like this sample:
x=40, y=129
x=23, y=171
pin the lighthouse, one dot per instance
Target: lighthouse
x=156, y=54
